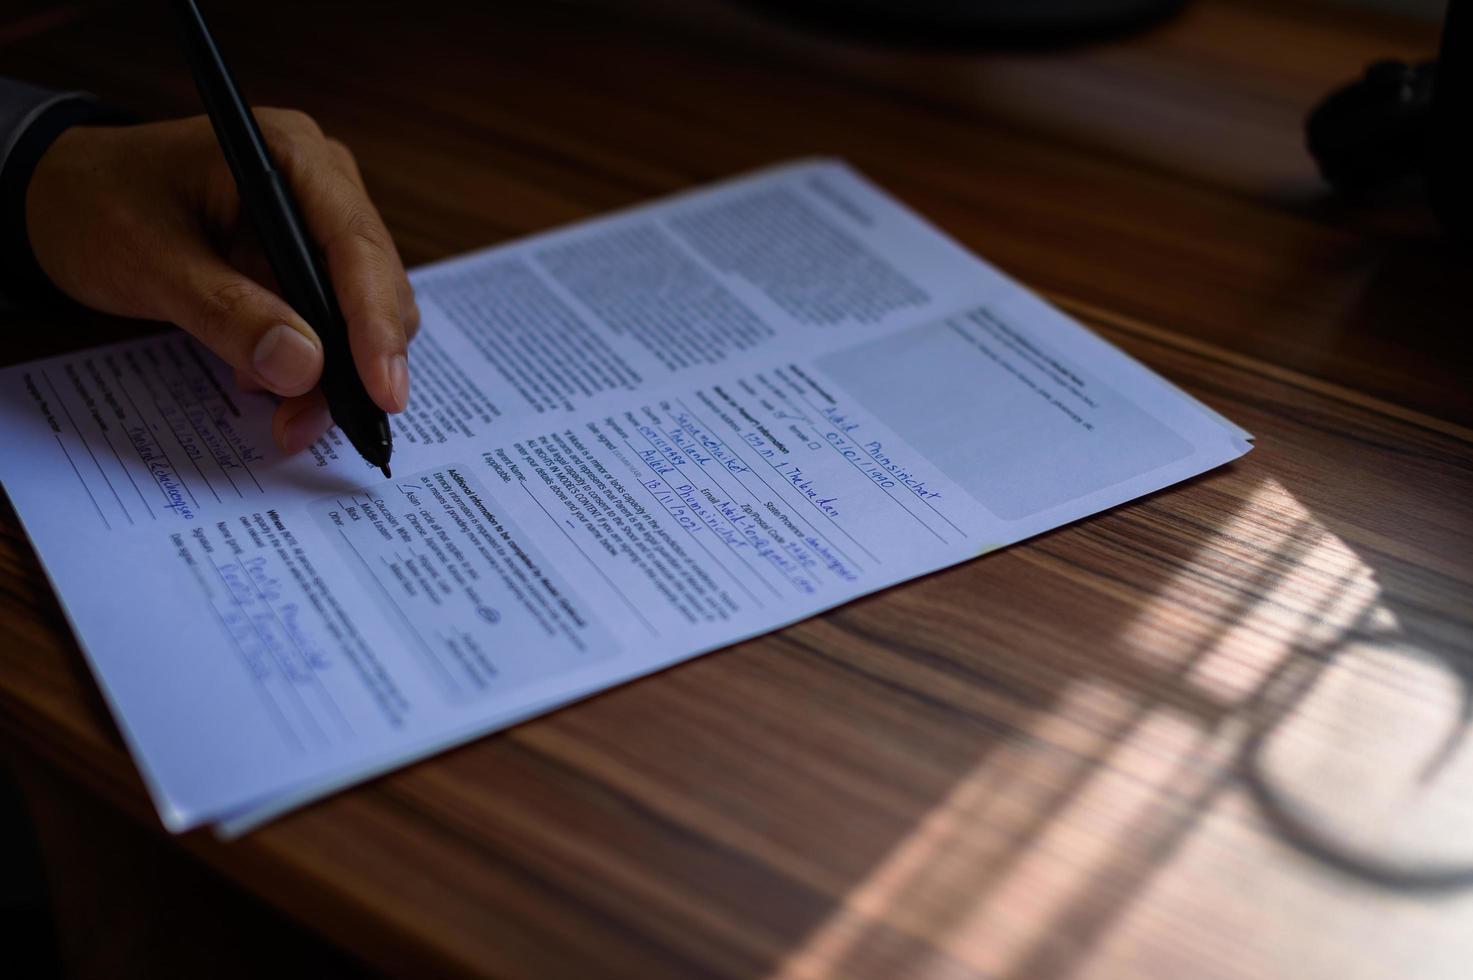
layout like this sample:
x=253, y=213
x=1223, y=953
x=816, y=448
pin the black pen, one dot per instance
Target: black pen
x=295, y=260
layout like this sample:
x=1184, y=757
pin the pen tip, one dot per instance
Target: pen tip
x=387, y=474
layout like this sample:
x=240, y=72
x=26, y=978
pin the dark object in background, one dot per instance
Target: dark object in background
x=1451, y=168
x=1375, y=130
x=1398, y=121
x=972, y=22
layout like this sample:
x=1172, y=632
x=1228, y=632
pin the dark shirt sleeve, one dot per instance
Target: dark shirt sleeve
x=30, y=120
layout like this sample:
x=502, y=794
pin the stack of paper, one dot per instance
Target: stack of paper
x=631, y=441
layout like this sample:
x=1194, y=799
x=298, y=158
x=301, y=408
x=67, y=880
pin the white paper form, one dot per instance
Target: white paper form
x=630, y=441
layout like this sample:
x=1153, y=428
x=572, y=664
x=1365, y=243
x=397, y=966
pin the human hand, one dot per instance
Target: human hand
x=144, y=221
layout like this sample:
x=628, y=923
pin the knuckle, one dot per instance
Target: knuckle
x=361, y=231
x=292, y=135
x=287, y=150
x=343, y=158
x=118, y=214
x=220, y=306
x=294, y=121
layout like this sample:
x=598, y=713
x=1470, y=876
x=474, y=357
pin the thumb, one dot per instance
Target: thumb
x=243, y=322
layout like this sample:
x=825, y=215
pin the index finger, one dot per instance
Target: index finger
x=408, y=308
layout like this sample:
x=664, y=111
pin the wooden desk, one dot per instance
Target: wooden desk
x=1214, y=733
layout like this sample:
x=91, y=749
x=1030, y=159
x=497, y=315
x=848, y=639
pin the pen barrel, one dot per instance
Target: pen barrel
x=305, y=285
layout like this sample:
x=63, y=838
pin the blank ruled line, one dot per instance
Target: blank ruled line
x=452, y=689
x=129, y=475
x=87, y=446
x=617, y=591
x=83, y=482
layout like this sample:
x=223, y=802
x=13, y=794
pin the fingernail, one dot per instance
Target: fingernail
x=399, y=381
x=285, y=360
x=305, y=428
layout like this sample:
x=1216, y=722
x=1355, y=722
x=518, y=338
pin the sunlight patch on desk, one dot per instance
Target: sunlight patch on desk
x=1286, y=583
x=1097, y=832
x=1042, y=820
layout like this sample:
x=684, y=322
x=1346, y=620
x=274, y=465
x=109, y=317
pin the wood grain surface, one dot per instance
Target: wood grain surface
x=1218, y=732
